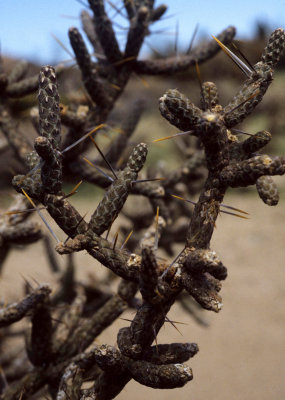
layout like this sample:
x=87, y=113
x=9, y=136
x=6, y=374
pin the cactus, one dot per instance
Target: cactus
x=60, y=354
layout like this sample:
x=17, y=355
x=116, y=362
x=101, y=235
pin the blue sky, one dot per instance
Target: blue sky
x=26, y=26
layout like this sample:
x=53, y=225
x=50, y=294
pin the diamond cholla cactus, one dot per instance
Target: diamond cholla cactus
x=115, y=197
x=60, y=353
x=267, y=190
x=179, y=111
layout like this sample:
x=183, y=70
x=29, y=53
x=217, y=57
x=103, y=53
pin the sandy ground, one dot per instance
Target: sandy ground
x=242, y=351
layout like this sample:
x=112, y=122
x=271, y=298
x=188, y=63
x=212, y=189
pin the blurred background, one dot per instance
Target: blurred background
x=27, y=26
x=242, y=349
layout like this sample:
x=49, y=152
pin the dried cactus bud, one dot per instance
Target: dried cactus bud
x=147, y=3
x=107, y=357
x=51, y=173
x=112, y=202
x=49, y=106
x=170, y=353
x=104, y=31
x=3, y=82
x=31, y=184
x=167, y=376
x=274, y=48
x=149, y=276
x=116, y=195
x=199, y=54
x=16, y=311
x=126, y=344
x=21, y=233
x=39, y=346
x=82, y=56
x=130, y=121
x=204, y=289
x=32, y=159
x=89, y=74
x=247, y=172
x=158, y=12
x=47, y=144
x=256, y=142
x=205, y=260
x=89, y=29
x=267, y=190
x=137, y=157
x=209, y=95
x=178, y=110
x=18, y=71
x=130, y=8
x=249, y=96
x=137, y=32
x=23, y=87
x=65, y=215
x=70, y=382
